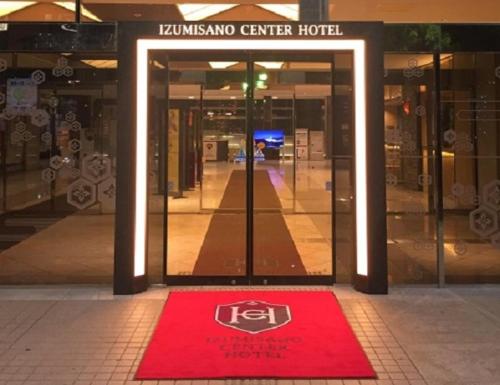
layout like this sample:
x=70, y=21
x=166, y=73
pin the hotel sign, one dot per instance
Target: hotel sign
x=250, y=29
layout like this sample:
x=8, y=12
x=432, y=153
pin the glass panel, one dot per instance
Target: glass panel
x=471, y=166
x=58, y=125
x=292, y=169
x=206, y=173
x=409, y=140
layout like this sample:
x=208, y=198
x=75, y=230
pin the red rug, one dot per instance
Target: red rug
x=253, y=334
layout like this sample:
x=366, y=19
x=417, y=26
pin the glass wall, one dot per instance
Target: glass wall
x=470, y=103
x=58, y=145
x=409, y=146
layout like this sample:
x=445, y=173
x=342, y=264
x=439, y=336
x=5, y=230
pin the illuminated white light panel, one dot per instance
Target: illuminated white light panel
x=290, y=11
x=195, y=12
x=221, y=64
x=270, y=65
x=357, y=46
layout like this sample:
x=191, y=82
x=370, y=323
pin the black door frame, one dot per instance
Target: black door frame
x=250, y=57
x=371, y=33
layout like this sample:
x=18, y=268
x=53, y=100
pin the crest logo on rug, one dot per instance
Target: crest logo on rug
x=253, y=316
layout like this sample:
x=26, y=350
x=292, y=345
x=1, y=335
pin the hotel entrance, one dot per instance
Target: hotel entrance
x=249, y=157
x=244, y=154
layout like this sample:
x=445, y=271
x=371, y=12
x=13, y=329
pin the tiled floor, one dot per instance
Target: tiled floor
x=84, y=335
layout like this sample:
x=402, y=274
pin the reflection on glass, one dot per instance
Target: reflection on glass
x=292, y=169
x=206, y=176
x=471, y=166
x=58, y=145
x=409, y=168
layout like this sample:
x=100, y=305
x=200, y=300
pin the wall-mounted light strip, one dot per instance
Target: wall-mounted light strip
x=357, y=46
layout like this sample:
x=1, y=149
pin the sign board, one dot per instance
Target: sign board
x=209, y=150
x=21, y=95
x=302, y=143
x=250, y=30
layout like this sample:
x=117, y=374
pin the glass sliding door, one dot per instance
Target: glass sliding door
x=292, y=172
x=205, y=169
x=247, y=193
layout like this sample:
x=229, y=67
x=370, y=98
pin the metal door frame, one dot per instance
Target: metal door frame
x=249, y=278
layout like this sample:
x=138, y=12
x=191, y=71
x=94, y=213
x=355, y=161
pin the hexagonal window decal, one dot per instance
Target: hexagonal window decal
x=53, y=102
x=491, y=194
x=38, y=76
x=81, y=194
x=412, y=63
x=483, y=221
x=20, y=127
x=425, y=180
x=391, y=179
x=70, y=116
x=76, y=126
x=57, y=72
x=56, y=162
x=27, y=136
x=48, y=175
x=413, y=70
x=106, y=190
x=96, y=167
x=450, y=136
x=68, y=71
x=40, y=118
x=74, y=145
